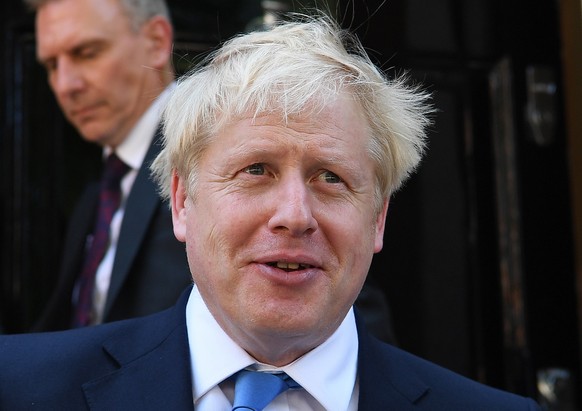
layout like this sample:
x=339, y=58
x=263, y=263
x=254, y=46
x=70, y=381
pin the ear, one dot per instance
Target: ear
x=380, y=224
x=159, y=38
x=179, y=206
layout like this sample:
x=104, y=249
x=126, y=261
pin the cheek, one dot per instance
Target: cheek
x=212, y=230
x=121, y=84
x=357, y=245
x=120, y=78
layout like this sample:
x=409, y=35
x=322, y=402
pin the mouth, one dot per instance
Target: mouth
x=289, y=267
x=83, y=112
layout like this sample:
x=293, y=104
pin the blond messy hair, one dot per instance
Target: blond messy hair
x=293, y=69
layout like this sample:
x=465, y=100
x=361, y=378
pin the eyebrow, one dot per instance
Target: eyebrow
x=75, y=50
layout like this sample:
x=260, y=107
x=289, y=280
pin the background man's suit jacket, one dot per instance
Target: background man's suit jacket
x=144, y=364
x=150, y=269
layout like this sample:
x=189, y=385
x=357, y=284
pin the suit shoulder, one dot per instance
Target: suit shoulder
x=431, y=387
x=75, y=348
x=45, y=369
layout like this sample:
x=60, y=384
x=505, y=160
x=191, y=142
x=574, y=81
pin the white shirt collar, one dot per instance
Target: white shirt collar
x=134, y=147
x=328, y=372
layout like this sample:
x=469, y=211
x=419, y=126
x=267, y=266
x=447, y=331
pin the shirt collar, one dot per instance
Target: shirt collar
x=215, y=357
x=134, y=147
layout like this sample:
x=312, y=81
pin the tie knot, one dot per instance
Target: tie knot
x=255, y=390
x=113, y=172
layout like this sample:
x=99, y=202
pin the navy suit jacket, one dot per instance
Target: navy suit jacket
x=150, y=268
x=143, y=364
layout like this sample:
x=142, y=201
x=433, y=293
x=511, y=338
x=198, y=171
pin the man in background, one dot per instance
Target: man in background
x=109, y=65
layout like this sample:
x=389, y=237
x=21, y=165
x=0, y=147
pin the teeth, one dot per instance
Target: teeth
x=290, y=266
x=287, y=266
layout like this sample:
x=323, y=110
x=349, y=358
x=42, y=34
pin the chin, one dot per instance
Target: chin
x=290, y=322
x=92, y=137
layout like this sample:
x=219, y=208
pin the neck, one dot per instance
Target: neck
x=280, y=348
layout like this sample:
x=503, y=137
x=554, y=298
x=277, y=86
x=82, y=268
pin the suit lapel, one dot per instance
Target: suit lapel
x=139, y=211
x=154, y=361
x=386, y=382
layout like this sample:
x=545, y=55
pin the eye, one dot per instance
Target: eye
x=329, y=177
x=87, y=53
x=256, y=169
x=50, y=65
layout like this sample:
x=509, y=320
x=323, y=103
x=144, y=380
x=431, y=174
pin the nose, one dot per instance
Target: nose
x=66, y=78
x=293, y=209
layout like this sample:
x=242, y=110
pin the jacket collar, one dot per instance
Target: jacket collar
x=140, y=210
x=385, y=380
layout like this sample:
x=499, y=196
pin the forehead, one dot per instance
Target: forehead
x=340, y=126
x=63, y=24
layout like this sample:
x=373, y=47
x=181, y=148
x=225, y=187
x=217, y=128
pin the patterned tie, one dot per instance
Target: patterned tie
x=109, y=200
x=254, y=390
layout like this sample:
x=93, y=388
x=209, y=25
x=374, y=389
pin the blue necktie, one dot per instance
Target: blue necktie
x=255, y=390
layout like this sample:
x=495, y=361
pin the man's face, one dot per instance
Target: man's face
x=282, y=227
x=97, y=66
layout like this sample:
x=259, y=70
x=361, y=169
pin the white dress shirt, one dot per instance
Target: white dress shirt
x=327, y=374
x=132, y=152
